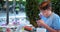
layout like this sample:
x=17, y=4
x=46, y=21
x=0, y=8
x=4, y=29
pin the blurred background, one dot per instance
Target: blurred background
x=23, y=10
x=26, y=9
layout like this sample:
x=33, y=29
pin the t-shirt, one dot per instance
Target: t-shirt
x=52, y=21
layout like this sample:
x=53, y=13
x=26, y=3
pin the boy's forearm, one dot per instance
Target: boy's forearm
x=49, y=28
x=58, y=30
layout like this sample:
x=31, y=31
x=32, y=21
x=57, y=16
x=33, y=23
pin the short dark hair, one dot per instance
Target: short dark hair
x=44, y=5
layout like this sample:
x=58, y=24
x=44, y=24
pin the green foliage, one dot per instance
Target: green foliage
x=2, y=2
x=56, y=6
x=40, y=1
x=32, y=11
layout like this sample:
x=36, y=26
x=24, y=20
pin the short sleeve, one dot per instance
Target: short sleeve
x=42, y=17
x=56, y=23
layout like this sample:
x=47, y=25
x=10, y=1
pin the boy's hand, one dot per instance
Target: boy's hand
x=40, y=23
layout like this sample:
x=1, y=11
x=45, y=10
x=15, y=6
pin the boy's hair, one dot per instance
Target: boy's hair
x=44, y=5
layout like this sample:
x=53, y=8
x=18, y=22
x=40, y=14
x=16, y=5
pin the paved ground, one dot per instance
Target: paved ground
x=12, y=15
x=21, y=14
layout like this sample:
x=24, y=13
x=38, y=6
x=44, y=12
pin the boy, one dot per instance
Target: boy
x=49, y=19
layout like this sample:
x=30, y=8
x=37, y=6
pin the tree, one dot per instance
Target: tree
x=32, y=11
x=56, y=6
x=2, y=2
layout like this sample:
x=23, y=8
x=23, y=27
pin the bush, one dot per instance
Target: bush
x=55, y=6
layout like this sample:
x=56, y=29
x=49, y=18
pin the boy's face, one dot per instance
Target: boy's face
x=46, y=12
